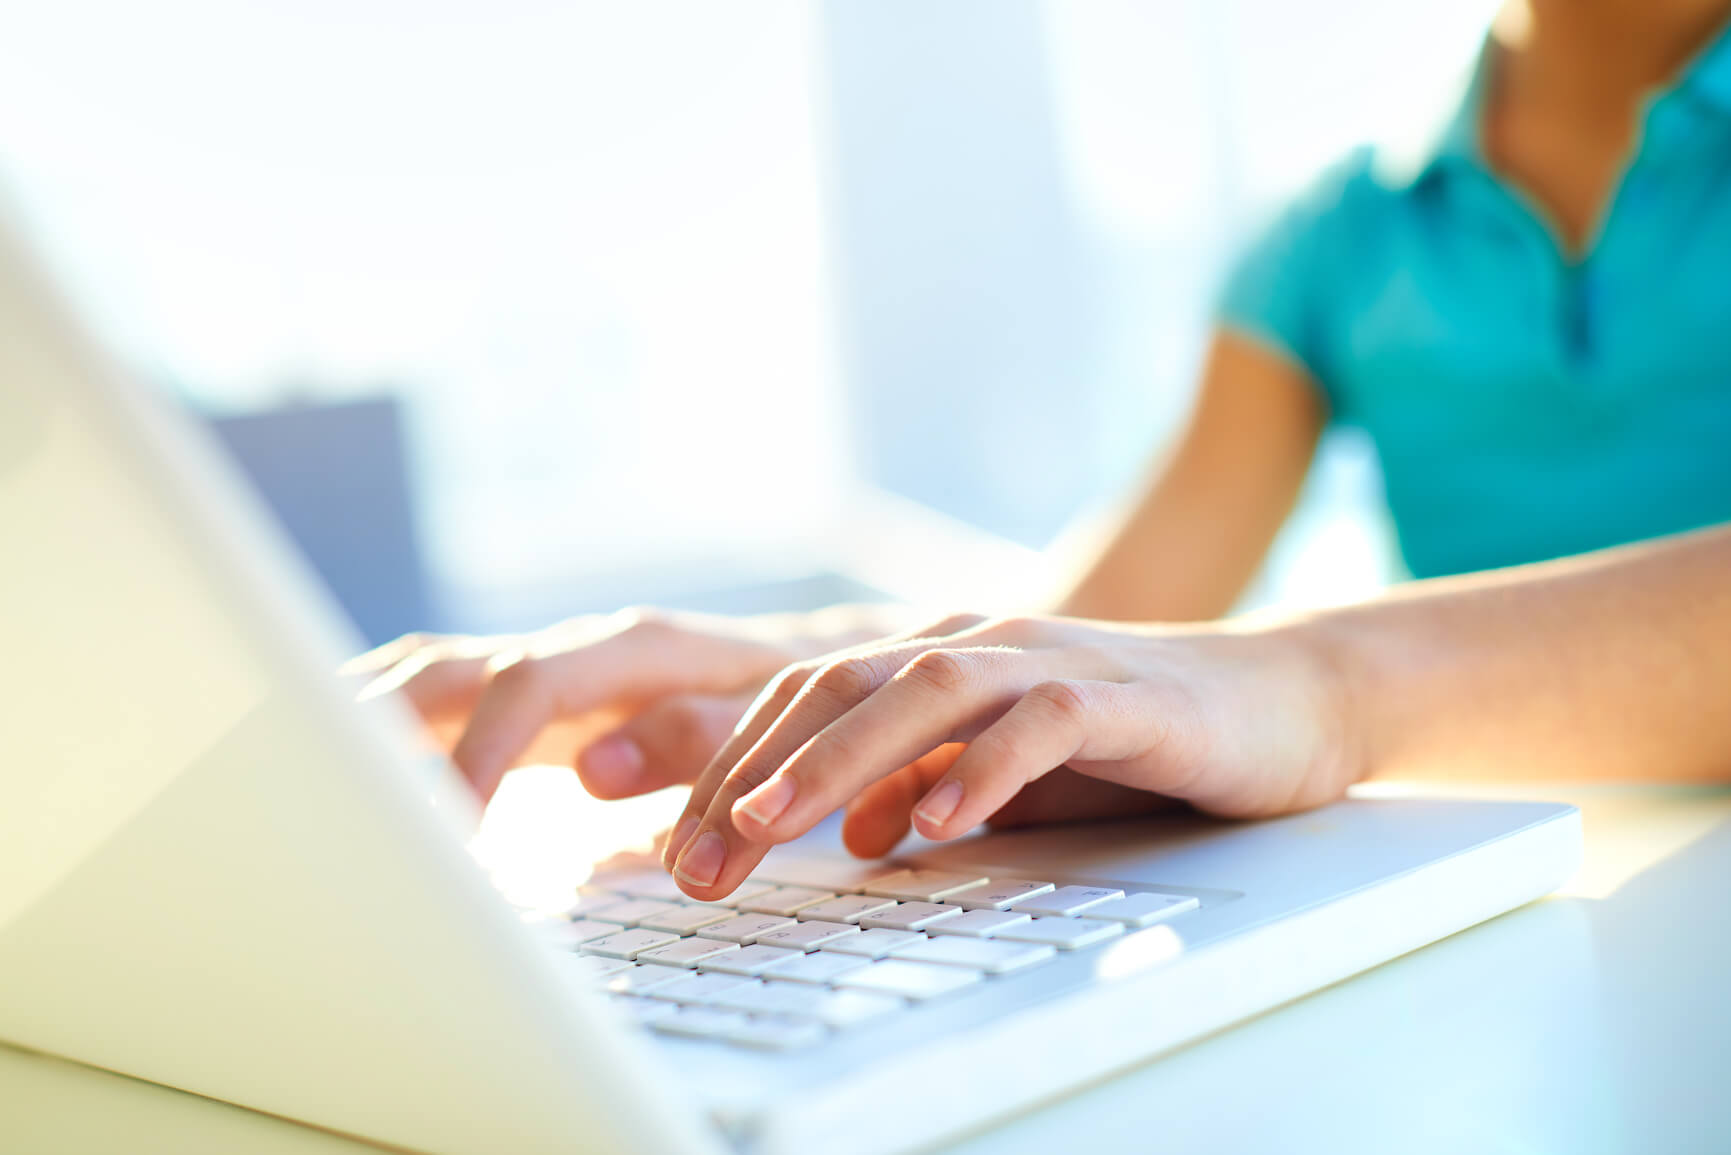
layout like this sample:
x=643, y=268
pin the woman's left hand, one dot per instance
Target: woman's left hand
x=1238, y=721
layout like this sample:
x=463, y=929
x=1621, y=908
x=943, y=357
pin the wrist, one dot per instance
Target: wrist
x=1325, y=648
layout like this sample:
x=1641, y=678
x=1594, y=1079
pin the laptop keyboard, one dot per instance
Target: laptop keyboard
x=803, y=950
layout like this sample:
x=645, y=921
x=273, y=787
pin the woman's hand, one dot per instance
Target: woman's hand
x=1239, y=722
x=639, y=700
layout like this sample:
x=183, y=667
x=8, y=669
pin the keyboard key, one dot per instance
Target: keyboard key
x=640, y=884
x=628, y=943
x=783, y=1000
x=923, y=885
x=686, y=952
x=910, y=980
x=998, y=893
x=749, y=889
x=1066, y=900
x=819, y=967
x=631, y=911
x=758, y=998
x=978, y=923
x=840, y=875
x=643, y=1010
x=993, y=957
x=845, y=1008
x=910, y=916
x=700, y=1023
x=742, y=928
x=872, y=943
x=751, y=960
x=640, y=979
x=572, y=935
x=804, y=935
x=1063, y=933
x=778, y=1034
x=1143, y=909
x=687, y=917
x=697, y=990
x=793, y=1000
x=589, y=968
x=847, y=908
x=785, y=900
x=590, y=900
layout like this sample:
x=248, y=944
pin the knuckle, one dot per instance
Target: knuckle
x=834, y=751
x=742, y=780
x=945, y=671
x=954, y=623
x=641, y=620
x=518, y=673
x=790, y=681
x=1064, y=701
x=847, y=679
x=1013, y=631
x=421, y=669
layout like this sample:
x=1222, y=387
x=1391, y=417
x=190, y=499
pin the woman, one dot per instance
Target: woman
x=1528, y=319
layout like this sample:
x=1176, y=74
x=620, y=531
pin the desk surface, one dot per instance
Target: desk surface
x=1595, y=1021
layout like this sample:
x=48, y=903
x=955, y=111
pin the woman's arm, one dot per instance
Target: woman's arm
x=1611, y=665
x=674, y=684
x=1614, y=664
x=1196, y=534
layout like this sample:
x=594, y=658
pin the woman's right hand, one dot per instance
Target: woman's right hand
x=636, y=700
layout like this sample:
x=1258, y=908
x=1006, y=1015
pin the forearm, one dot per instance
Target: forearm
x=1611, y=665
x=1179, y=556
x=1187, y=546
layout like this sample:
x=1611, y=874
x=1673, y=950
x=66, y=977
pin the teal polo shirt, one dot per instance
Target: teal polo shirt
x=1525, y=403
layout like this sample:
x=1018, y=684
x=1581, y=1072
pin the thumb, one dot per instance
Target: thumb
x=881, y=815
x=668, y=743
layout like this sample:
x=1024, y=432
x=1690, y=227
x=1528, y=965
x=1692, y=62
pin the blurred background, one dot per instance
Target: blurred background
x=528, y=308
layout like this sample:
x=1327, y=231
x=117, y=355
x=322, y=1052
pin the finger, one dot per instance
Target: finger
x=774, y=702
x=768, y=706
x=918, y=709
x=1053, y=723
x=666, y=744
x=526, y=691
x=940, y=696
x=381, y=658
x=713, y=855
x=1065, y=795
x=827, y=690
x=436, y=684
x=881, y=815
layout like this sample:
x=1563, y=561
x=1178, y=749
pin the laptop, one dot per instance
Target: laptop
x=220, y=874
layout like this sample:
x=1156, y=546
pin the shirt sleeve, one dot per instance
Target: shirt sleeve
x=1280, y=289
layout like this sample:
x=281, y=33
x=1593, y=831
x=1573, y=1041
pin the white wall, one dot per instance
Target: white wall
x=663, y=282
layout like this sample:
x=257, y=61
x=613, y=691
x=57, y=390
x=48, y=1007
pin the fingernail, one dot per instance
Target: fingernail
x=769, y=801
x=940, y=803
x=614, y=762
x=701, y=865
x=681, y=835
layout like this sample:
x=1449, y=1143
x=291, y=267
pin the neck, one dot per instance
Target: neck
x=1602, y=52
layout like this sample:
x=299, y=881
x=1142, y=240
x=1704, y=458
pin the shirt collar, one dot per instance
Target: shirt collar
x=1708, y=77
x=1446, y=138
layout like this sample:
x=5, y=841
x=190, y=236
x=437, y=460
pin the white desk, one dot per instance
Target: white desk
x=1596, y=1021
